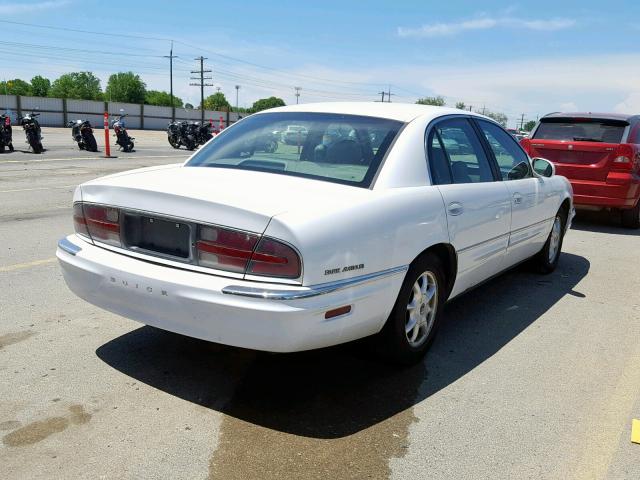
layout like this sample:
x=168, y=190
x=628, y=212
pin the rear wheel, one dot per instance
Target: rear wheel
x=90, y=143
x=1, y=147
x=631, y=217
x=416, y=315
x=173, y=142
x=546, y=260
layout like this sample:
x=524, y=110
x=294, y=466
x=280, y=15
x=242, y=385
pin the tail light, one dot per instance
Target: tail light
x=225, y=249
x=102, y=223
x=244, y=252
x=79, y=223
x=274, y=259
x=623, y=157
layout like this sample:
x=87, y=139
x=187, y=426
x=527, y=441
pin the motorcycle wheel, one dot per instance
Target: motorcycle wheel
x=33, y=142
x=174, y=143
x=1, y=147
x=90, y=143
x=81, y=145
x=130, y=147
x=11, y=147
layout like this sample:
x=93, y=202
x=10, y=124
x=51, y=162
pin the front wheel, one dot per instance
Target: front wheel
x=173, y=142
x=546, y=260
x=11, y=147
x=631, y=217
x=416, y=315
x=130, y=147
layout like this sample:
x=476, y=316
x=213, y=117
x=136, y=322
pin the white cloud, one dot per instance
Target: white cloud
x=631, y=104
x=485, y=23
x=25, y=7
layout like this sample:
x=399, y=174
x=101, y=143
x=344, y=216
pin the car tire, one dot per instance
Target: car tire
x=417, y=312
x=631, y=217
x=546, y=260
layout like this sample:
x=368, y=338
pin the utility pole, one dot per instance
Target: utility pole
x=383, y=93
x=237, y=89
x=171, y=56
x=297, y=89
x=202, y=71
x=522, y=122
x=389, y=94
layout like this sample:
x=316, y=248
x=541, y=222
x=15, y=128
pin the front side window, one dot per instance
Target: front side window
x=463, y=153
x=336, y=148
x=512, y=160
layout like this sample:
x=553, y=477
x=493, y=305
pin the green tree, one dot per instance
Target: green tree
x=163, y=99
x=40, y=86
x=188, y=106
x=217, y=101
x=125, y=87
x=501, y=118
x=266, y=103
x=15, y=87
x=461, y=106
x=436, y=101
x=80, y=85
x=528, y=126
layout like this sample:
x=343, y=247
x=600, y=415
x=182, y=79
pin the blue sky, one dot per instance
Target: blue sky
x=529, y=58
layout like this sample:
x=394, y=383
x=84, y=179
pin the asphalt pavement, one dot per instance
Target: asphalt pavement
x=530, y=377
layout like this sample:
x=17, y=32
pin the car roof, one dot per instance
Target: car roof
x=594, y=115
x=403, y=112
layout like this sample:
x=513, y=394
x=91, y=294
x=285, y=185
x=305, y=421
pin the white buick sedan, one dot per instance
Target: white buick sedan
x=379, y=215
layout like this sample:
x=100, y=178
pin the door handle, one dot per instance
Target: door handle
x=455, y=208
x=517, y=198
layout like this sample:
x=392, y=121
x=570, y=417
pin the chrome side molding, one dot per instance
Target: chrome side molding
x=313, y=291
x=67, y=246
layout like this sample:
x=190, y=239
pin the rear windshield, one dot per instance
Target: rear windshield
x=579, y=129
x=336, y=148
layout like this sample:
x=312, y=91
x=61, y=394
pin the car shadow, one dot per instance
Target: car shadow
x=601, y=222
x=339, y=391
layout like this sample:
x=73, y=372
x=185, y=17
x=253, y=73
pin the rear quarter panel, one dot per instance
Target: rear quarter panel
x=388, y=230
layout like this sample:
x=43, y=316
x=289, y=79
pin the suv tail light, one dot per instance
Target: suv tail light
x=623, y=157
x=102, y=223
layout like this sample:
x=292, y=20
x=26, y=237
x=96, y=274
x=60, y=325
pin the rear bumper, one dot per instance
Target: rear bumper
x=623, y=195
x=271, y=317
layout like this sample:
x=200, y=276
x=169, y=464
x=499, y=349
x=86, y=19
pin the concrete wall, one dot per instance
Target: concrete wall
x=56, y=112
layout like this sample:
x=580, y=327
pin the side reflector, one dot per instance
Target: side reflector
x=337, y=312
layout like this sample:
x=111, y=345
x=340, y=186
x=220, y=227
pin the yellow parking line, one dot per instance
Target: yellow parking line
x=35, y=189
x=20, y=266
x=635, y=431
x=71, y=159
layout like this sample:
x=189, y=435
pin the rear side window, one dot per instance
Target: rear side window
x=512, y=161
x=464, y=158
x=581, y=129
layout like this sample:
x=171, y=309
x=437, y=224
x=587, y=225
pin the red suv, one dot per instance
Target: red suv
x=600, y=155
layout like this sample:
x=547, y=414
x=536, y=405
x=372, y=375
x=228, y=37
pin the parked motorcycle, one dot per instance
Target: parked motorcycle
x=268, y=142
x=182, y=133
x=203, y=133
x=82, y=133
x=122, y=137
x=5, y=133
x=32, y=130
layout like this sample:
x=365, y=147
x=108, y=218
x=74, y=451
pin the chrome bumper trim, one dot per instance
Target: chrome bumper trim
x=313, y=291
x=67, y=246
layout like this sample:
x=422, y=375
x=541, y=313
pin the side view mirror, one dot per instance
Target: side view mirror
x=543, y=167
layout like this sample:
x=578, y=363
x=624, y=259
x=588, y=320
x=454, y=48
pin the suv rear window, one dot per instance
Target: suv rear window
x=581, y=129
